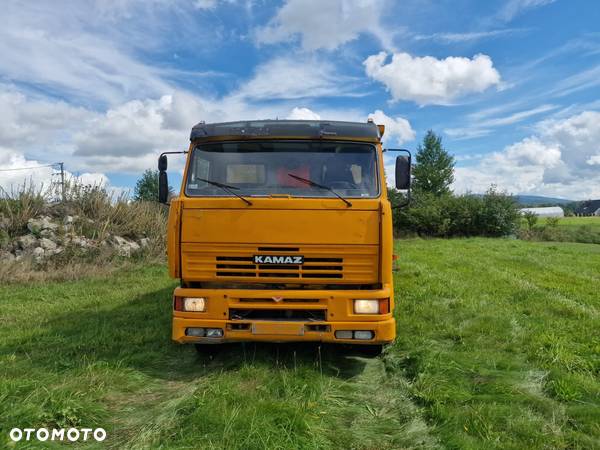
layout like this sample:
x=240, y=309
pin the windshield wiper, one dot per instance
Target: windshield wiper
x=321, y=186
x=227, y=188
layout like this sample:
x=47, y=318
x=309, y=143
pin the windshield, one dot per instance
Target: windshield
x=268, y=168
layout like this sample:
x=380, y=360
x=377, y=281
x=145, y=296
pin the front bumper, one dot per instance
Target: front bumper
x=336, y=306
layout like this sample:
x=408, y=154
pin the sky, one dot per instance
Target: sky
x=511, y=86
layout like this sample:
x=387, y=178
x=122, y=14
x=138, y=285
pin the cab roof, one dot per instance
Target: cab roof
x=308, y=129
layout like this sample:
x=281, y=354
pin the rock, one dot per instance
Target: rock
x=68, y=220
x=123, y=246
x=47, y=244
x=34, y=225
x=47, y=225
x=41, y=223
x=144, y=242
x=80, y=241
x=47, y=233
x=55, y=251
x=38, y=253
x=6, y=257
x=28, y=241
x=118, y=240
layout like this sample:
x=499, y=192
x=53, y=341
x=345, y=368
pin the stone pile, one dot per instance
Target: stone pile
x=47, y=237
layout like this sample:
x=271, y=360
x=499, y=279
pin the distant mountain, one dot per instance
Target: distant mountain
x=540, y=200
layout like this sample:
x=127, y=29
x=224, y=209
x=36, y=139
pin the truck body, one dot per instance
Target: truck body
x=282, y=232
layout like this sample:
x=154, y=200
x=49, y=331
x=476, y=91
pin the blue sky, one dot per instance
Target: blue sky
x=512, y=86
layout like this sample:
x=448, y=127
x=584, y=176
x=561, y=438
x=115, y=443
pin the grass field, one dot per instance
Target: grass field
x=565, y=229
x=574, y=222
x=498, y=347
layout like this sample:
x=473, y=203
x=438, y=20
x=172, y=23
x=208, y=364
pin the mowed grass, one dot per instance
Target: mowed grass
x=498, y=347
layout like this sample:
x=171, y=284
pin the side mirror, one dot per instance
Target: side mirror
x=162, y=163
x=163, y=187
x=163, y=182
x=403, y=164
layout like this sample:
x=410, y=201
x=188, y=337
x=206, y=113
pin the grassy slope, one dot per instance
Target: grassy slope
x=498, y=347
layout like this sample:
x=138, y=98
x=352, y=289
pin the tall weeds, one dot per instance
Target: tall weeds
x=95, y=214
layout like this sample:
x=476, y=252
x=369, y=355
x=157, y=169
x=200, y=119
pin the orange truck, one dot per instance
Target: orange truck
x=282, y=232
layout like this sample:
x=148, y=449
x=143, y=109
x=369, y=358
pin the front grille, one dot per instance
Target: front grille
x=242, y=266
x=353, y=264
x=311, y=315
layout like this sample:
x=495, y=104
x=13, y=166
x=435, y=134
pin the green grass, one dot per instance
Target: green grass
x=575, y=222
x=566, y=229
x=498, y=347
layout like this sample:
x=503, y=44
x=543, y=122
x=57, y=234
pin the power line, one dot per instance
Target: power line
x=29, y=168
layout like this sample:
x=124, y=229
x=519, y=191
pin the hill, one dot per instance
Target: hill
x=536, y=200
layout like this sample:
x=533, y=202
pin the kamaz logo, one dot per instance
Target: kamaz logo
x=278, y=259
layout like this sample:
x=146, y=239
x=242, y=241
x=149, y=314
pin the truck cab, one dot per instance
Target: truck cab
x=282, y=232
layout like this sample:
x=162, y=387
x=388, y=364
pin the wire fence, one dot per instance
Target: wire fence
x=58, y=166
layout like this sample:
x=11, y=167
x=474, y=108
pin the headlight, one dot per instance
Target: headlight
x=366, y=306
x=195, y=304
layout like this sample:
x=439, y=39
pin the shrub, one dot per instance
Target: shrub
x=530, y=219
x=493, y=214
x=499, y=214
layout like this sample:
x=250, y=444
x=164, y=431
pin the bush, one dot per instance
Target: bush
x=493, y=214
x=530, y=219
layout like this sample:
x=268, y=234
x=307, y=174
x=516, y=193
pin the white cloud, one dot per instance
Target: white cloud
x=585, y=79
x=452, y=38
x=322, y=24
x=26, y=122
x=42, y=47
x=205, y=4
x=555, y=161
x=303, y=114
x=398, y=129
x=293, y=78
x=594, y=160
x=530, y=152
x=18, y=172
x=427, y=80
x=481, y=124
x=132, y=129
x=513, y=8
x=464, y=133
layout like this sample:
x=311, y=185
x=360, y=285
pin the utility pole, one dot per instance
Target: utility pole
x=62, y=180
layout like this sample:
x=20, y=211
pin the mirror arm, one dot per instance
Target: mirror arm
x=405, y=204
x=174, y=153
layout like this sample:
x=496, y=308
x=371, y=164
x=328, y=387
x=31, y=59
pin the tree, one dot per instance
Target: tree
x=434, y=169
x=146, y=188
